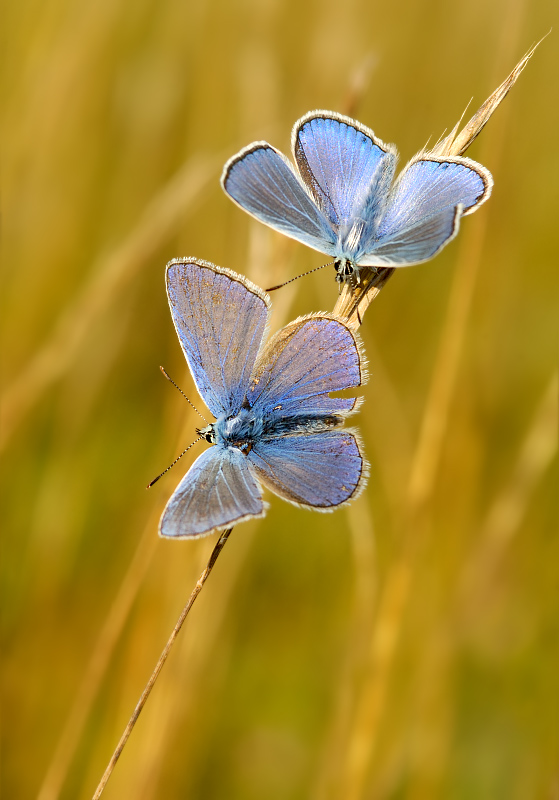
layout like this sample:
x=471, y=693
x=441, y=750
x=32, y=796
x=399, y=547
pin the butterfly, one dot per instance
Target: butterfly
x=340, y=198
x=275, y=423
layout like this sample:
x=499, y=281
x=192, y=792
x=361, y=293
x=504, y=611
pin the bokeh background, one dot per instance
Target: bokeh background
x=404, y=647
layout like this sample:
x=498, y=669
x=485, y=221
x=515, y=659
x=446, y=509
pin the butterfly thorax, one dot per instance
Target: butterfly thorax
x=239, y=430
x=358, y=230
x=349, y=251
x=346, y=250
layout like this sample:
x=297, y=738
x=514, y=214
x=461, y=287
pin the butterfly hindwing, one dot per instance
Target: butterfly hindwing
x=417, y=243
x=421, y=213
x=321, y=471
x=217, y=491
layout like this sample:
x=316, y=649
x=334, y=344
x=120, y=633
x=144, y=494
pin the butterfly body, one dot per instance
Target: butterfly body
x=244, y=429
x=275, y=421
x=341, y=199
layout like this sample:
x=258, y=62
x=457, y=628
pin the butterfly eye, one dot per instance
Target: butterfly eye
x=345, y=270
x=208, y=433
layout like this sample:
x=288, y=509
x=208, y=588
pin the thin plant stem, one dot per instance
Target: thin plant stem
x=162, y=659
x=394, y=598
x=58, y=770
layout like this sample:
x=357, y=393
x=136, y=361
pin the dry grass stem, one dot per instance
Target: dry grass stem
x=355, y=300
x=261, y=256
x=396, y=591
x=162, y=659
x=391, y=663
x=456, y=144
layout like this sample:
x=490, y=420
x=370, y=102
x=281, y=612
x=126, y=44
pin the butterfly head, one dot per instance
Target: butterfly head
x=208, y=433
x=238, y=430
x=347, y=271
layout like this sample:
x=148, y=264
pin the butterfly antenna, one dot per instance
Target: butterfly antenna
x=185, y=397
x=302, y=275
x=150, y=484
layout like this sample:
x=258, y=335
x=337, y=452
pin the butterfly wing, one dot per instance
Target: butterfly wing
x=261, y=181
x=346, y=167
x=416, y=243
x=322, y=470
x=424, y=210
x=217, y=491
x=292, y=379
x=220, y=318
x=301, y=364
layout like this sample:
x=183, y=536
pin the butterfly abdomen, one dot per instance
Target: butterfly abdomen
x=286, y=426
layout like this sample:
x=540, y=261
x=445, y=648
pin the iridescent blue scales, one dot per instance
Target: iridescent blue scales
x=276, y=423
x=340, y=198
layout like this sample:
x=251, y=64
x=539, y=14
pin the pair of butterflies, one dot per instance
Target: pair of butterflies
x=276, y=424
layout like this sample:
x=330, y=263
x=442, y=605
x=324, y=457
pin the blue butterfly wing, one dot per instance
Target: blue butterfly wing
x=421, y=214
x=301, y=364
x=320, y=470
x=346, y=167
x=220, y=318
x=217, y=491
x=261, y=181
x=416, y=243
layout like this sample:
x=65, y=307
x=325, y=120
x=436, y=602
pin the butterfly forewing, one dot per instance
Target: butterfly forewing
x=262, y=182
x=217, y=491
x=220, y=319
x=322, y=471
x=301, y=364
x=342, y=164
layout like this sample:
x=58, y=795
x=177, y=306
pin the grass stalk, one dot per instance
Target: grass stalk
x=161, y=661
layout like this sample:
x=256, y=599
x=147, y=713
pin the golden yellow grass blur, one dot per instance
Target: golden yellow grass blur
x=403, y=647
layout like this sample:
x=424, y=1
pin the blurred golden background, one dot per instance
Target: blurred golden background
x=405, y=647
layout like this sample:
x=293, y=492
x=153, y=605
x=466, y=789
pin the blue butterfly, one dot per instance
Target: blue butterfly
x=340, y=199
x=275, y=422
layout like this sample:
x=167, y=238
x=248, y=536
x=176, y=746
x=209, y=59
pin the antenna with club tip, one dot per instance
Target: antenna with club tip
x=190, y=445
x=150, y=484
x=296, y=278
x=183, y=394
